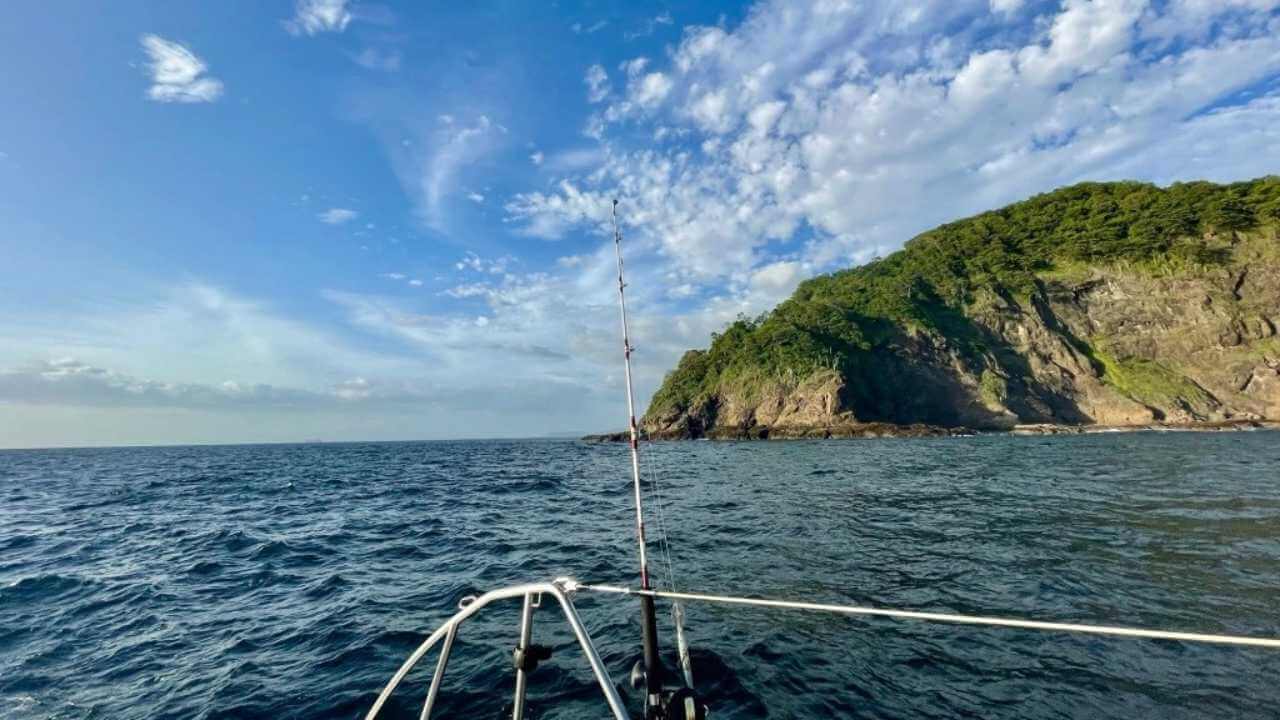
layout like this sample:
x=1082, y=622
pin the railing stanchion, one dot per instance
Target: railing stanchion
x=522, y=649
x=561, y=589
x=439, y=674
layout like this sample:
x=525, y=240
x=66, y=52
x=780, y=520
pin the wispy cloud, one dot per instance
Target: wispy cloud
x=494, y=266
x=338, y=216
x=574, y=160
x=452, y=147
x=317, y=16
x=199, y=363
x=373, y=58
x=177, y=75
x=68, y=381
x=580, y=29
x=650, y=26
x=196, y=333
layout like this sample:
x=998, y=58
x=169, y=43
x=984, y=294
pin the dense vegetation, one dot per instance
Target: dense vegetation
x=834, y=321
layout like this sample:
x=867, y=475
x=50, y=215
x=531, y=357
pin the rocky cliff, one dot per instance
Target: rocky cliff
x=1103, y=304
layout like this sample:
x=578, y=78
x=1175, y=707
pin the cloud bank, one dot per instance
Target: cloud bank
x=831, y=132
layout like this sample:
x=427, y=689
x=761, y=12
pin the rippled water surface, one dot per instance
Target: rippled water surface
x=290, y=581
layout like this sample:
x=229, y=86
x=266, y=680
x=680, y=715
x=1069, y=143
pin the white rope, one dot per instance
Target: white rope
x=950, y=618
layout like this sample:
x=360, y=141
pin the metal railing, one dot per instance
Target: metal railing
x=560, y=589
x=563, y=588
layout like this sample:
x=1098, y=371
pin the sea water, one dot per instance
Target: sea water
x=290, y=581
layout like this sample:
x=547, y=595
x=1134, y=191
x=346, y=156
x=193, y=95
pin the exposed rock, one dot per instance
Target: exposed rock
x=1110, y=347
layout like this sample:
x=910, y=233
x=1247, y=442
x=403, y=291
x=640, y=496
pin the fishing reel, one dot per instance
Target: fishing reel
x=684, y=704
x=679, y=704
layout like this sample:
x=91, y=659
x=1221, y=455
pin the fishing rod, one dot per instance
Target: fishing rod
x=659, y=705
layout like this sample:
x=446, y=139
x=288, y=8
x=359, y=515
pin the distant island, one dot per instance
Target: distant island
x=1116, y=305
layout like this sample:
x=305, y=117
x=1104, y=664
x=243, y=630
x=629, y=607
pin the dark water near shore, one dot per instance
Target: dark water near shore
x=291, y=581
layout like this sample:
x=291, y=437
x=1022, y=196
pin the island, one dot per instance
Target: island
x=1119, y=305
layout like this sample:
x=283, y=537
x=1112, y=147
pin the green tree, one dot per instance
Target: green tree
x=1230, y=213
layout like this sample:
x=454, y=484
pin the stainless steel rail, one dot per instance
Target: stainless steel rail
x=526, y=639
x=563, y=588
x=560, y=589
x=436, y=677
x=1243, y=640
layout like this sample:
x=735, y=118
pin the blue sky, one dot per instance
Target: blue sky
x=344, y=220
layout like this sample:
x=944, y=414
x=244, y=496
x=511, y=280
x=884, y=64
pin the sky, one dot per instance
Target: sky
x=324, y=220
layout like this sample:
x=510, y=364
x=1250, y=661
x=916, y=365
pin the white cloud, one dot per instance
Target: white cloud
x=537, y=158
x=452, y=148
x=197, y=363
x=1083, y=38
x=580, y=29
x=211, y=354
x=846, y=128
x=633, y=67
x=68, y=381
x=682, y=291
x=1007, y=7
x=574, y=160
x=372, y=58
x=193, y=333
x=416, y=282
x=649, y=26
x=337, y=216
x=475, y=263
x=317, y=16
x=1196, y=19
x=597, y=81
x=356, y=388
x=475, y=197
x=778, y=279
x=177, y=75
x=435, y=162
x=651, y=89
x=394, y=276
x=551, y=215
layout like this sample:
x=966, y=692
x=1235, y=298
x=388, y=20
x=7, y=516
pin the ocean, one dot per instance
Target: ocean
x=290, y=581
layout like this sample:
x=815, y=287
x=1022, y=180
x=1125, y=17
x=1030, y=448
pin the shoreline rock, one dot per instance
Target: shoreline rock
x=1215, y=426
x=854, y=431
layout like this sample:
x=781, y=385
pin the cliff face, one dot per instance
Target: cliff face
x=1114, y=342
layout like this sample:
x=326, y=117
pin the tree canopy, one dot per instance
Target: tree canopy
x=831, y=320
